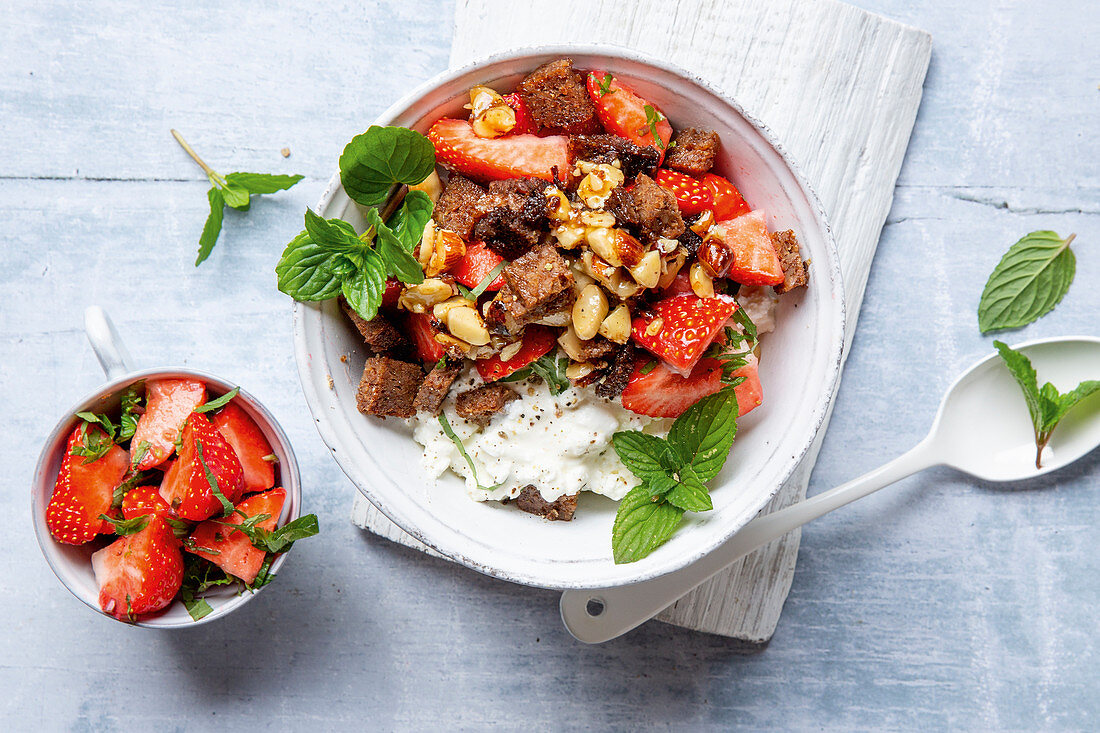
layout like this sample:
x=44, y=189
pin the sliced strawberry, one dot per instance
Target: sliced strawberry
x=755, y=261
x=749, y=393
x=185, y=486
x=230, y=549
x=537, y=342
x=680, y=285
x=168, y=402
x=623, y=112
x=680, y=328
x=524, y=124
x=512, y=156
x=692, y=196
x=139, y=573
x=728, y=201
x=391, y=293
x=84, y=491
x=144, y=500
x=476, y=265
x=250, y=445
x=661, y=392
x=418, y=326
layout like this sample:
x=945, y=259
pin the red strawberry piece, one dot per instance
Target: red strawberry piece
x=728, y=201
x=418, y=327
x=139, y=573
x=250, y=445
x=537, y=341
x=661, y=392
x=524, y=124
x=476, y=265
x=185, y=486
x=755, y=261
x=391, y=293
x=623, y=112
x=693, y=196
x=230, y=549
x=749, y=393
x=512, y=156
x=84, y=491
x=144, y=500
x=168, y=402
x=679, y=329
x=680, y=285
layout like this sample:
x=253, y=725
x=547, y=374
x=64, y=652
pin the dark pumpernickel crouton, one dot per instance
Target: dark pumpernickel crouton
x=512, y=216
x=478, y=405
x=650, y=209
x=531, y=501
x=633, y=158
x=379, y=334
x=555, y=96
x=539, y=278
x=614, y=381
x=388, y=387
x=593, y=349
x=458, y=205
x=694, y=152
x=794, y=272
x=434, y=388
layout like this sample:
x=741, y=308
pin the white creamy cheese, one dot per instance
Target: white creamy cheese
x=759, y=304
x=560, y=444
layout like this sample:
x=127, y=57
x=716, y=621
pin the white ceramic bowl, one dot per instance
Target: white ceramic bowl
x=799, y=367
x=72, y=564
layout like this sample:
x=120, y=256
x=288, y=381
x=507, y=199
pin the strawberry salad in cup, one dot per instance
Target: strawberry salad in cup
x=564, y=269
x=177, y=494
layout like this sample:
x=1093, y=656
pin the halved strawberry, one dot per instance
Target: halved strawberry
x=749, y=393
x=230, y=549
x=144, y=500
x=512, y=156
x=537, y=341
x=168, y=402
x=250, y=445
x=661, y=392
x=755, y=261
x=680, y=328
x=139, y=573
x=692, y=196
x=524, y=124
x=185, y=486
x=623, y=112
x=476, y=265
x=84, y=491
x=418, y=327
x=728, y=201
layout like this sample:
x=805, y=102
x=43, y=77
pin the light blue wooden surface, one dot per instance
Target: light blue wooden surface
x=941, y=603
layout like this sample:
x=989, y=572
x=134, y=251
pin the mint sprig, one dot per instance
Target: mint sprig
x=219, y=402
x=1032, y=277
x=1046, y=405
x=232, y=189
x=673, y=471
x=94, y=444
x=381, y=158
x=131, y=412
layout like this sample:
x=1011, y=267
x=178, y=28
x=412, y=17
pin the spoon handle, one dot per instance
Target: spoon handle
x=595, y=616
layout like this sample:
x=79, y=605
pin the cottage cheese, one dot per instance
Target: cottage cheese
x=560, y=444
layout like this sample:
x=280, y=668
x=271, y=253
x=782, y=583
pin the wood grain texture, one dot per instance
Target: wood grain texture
x=840, y=89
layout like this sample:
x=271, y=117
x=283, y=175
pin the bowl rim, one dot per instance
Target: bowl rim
x=319, y=404
x=289, y=475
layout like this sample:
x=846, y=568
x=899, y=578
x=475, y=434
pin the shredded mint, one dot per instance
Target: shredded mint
x=605, y=85
x=652, y=117
x=487, y=280
x=227, y=506
x=220, y=401
x=93, y=444
x=450, y=433
x=130, y=402
x=125, y=527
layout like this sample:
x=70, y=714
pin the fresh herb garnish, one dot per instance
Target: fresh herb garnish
x=131, y=412
x=1047, y=406
x=674, y=472
x=124, y=527
x=381, y=158
x=131, y=481
x=605, y=85
x=197, y=579
x=450, y=433
x=273, y=541
x=227, y=506
x=1028, y=282
x=652, y=117
x=737, y=349
x=550, y=367
x=219, y=402
x=140, y=451
x=232, y=189
x=94, y=444
x=649, y=366
x=487, y=280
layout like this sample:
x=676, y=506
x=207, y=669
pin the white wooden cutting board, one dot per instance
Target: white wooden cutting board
x=838, y=86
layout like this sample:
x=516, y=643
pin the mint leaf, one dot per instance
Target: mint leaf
x=690, y=494
x=398, y=260
x=93, y=445
x=219, y=402
x=125, y=527
x=648, y=457
x=213, y=226
x=642, y=525
x=1025, y=376
x=285, y=536
x=365, y=288
x=487, y=280
x=652, y=117
x=450, y=433
x=261, y=183
x=411, y=217
x=130, y=402
x=552, y=371
x=703, y=435
x=198, y=608
x=381, y=157
x=605, y=85
x=236, y=196
x=334, y=235
x=1028, y=282
x=1070, y=400
x=101, y=420
x=227, y=506
x=305, y=271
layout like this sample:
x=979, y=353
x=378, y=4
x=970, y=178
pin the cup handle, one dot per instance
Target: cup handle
x=106, y=343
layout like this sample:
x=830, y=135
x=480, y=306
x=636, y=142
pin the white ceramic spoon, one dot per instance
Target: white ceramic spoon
x=982, y=429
